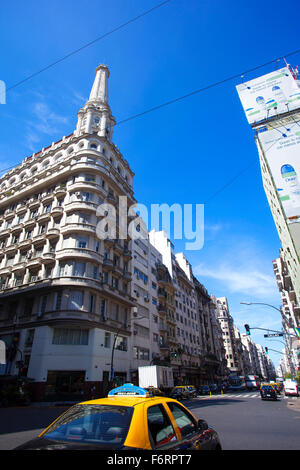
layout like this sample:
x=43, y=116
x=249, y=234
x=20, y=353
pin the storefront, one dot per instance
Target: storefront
x=65, y=385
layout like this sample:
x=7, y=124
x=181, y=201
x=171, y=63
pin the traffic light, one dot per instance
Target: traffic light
x=20, y=366
x=247, y=328
x=267, y=350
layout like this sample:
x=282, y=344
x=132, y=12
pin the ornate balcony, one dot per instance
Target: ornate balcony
x=52, y=233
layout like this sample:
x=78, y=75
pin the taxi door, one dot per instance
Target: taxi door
x=162, y=433
x=191, y=437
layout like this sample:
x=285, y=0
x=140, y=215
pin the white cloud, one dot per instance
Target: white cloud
x=241, y=279
x=44, y=122
x=240, y=267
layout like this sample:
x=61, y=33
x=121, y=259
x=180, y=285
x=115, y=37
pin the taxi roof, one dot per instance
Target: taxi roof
x=126, y=395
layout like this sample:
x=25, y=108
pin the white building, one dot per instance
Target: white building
x=65, y=293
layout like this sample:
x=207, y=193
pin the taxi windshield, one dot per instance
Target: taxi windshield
x=92, y=424
x=267, y=387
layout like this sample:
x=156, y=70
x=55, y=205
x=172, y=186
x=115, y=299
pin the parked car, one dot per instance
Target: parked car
x=203, y=390
x=156, y=392
x=188, y=391
x=213, y=388
x=178, y=394
x=128, y=419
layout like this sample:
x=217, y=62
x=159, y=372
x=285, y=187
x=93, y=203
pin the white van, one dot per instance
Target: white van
x=291, y=388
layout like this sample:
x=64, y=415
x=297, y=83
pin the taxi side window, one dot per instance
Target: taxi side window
x=160, y=428
x=184, y=420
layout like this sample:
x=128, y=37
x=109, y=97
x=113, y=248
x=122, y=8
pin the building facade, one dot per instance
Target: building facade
x=66, y=293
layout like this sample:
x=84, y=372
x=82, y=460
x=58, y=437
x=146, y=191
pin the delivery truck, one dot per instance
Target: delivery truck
x=156, y=376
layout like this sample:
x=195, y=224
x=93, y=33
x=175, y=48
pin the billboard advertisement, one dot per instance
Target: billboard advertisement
x=281, y=147
x=272, y=94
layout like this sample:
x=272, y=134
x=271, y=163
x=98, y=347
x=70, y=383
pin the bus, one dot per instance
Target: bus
x=237, y=382
x=252, y=382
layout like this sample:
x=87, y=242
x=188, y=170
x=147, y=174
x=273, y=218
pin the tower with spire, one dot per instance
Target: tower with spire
x=95, y=117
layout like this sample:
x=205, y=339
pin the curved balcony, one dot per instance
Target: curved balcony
x=47, y=198
x=87, y=186
x=41, y=237
x=5, y=270
x=5, y=232
x=17, y=228
x=118, y=271
x=60, y=191
x=20, y=266
x=80, y=205
x=52, y=233
x=44, y=217
x=77, y=227
x=127, y=255
x=108, y=264
x=34, y=263
x=34, y=204
x=57, y=211
x=11, y=248
x=30, y=223
x=25, y=243
x=79, y=253
x=118, y=248
x=21, y=209
x=48, y=258
x=108, y=242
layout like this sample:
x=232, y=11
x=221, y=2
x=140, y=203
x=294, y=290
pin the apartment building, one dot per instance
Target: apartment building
x=146, y=326
x=65, y=292
x=289, y=312
x=199, y=347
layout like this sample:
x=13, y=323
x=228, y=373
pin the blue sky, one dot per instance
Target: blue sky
x=183, y=153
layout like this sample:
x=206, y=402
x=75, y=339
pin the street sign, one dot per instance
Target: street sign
x=274, y=334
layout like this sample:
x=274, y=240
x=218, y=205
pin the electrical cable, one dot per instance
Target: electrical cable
x=132, y=20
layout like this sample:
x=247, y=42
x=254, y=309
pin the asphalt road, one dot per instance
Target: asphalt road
x=243, y=421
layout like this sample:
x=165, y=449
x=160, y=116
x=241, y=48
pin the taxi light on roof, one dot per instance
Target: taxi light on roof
x=128, y=390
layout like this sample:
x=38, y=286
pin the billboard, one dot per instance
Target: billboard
x=281, y=147
x=272, y=94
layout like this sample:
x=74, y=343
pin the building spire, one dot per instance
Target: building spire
x=95, y=117
x=99, y=90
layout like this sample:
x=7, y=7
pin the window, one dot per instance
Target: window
x=185, y=422
x=159, y=425
x=70, y=336
x=76, y=300
x=107, y=340
x=57, y=300
x=92, y=302
x=121, y=343
x=95, y=424
x=82, y=242
x=28, y=306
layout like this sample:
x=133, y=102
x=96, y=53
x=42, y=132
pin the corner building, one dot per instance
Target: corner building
x=65, y=293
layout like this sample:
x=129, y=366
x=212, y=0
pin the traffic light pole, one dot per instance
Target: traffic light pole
x=291, y=365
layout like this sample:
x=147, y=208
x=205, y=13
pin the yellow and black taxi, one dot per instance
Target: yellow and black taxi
x=268, y=392
x=129, y=418
x=184, y=391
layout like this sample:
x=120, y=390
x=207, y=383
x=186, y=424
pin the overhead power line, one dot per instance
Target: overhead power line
x=121, y=26
x=205, y=88
x=200, y=90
